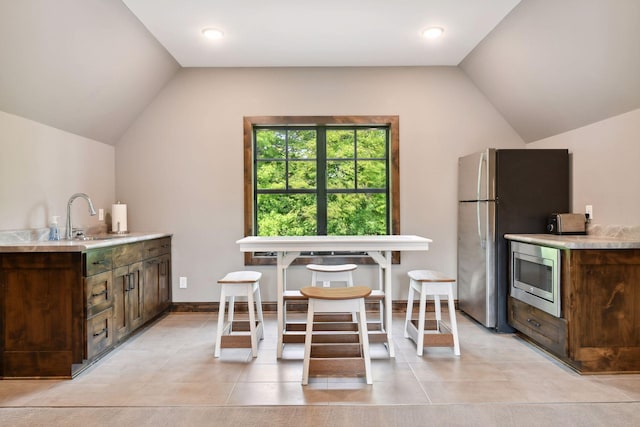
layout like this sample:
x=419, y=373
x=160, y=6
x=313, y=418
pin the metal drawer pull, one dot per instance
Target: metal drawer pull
x=98, y=294
x=534, y=323
x=103, y=331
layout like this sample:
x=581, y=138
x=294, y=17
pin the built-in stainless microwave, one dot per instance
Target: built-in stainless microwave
x=535, y=276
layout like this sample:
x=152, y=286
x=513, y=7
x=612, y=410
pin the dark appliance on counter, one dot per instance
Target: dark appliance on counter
x=567, y=223
x=502, y=191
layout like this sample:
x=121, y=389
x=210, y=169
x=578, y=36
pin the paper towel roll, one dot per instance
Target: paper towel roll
x=119, y=218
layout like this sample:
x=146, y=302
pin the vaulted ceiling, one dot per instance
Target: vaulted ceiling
x=91, y=66
x=311, y=33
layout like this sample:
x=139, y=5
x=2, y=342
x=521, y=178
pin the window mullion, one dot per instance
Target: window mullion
x=321, y=183
x=355, y=159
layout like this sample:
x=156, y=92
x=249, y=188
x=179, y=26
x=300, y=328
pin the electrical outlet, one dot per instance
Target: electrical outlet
x=588, y=209
x=100, y=214
x=183, y=283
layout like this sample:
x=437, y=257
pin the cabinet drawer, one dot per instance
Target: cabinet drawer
x=99, y=333
x=99, y=292
x=97, y=261
x=548, y=331
x=127, y=254
x=157, y=247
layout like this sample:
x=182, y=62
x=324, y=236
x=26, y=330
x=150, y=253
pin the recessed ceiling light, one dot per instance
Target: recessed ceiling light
x=212, y=33
x=432, y=32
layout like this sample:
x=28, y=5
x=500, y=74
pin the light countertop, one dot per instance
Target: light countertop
x=77, y=245
x=576, y=242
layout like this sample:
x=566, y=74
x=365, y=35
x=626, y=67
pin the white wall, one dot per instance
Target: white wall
x=606, y=167
x=85, y=66
x=553, y=66
x=40, y=167
x=179, y=167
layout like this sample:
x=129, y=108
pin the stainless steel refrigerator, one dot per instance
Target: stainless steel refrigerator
x=502, y=191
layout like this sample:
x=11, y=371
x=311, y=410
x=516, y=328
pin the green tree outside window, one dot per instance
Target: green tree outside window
x=321, y=180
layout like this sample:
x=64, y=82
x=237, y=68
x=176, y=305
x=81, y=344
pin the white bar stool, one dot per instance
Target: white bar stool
x=331, y=273
x=431, y=283
x=240, y=284
x=331, y=300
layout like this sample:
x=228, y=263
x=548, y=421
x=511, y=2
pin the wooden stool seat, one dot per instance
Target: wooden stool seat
x=431, y=283
x=331, y=300
x=240, y=284
x=336, y=293
x=241, y=277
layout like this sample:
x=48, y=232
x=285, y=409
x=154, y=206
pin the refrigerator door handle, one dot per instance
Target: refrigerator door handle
x=483, y=242
x=482, y=161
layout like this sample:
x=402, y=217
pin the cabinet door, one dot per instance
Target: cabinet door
x=120, y=303
x=157, y=293
x=164, y=285
x=136, y=296
x=151, y=287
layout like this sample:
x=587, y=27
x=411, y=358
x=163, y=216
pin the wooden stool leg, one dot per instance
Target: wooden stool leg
x=216, y=352
x=307, y=343
x=364, y=340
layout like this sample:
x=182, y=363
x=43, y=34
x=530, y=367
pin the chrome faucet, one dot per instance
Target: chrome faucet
x=92, y=212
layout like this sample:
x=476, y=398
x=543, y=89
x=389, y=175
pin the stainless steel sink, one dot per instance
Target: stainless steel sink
x=99, y=237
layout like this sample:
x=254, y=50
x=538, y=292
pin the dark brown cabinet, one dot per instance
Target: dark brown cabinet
x=157, y=274
x=60, y=311
x=42, y=314
x=598, y=331
x=99, y=297
x=157, y=292
x=128, y=299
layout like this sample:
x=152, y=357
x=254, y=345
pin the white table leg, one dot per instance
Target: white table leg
x=280, y=302
x=388, y=302
x=283, y=262
x=385, y=262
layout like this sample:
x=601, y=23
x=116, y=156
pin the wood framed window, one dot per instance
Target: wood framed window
x=321, y=175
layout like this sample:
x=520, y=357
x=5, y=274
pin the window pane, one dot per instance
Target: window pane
x=372, y=174
x=356, y=214
x=302, y=144
x=371, y=143
x=270, y=175
x=270, y=144
x=302, y=174
x=340, y=174
x=286, y=215
x=340, y=144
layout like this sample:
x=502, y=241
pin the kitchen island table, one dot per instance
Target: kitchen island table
x=379, y=248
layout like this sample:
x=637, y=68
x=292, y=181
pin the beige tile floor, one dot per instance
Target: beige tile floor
x=167, y=375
